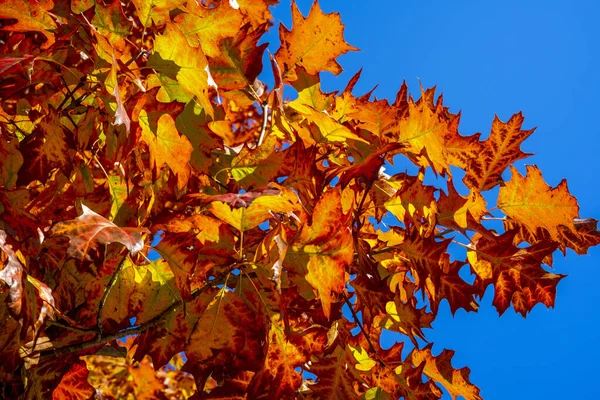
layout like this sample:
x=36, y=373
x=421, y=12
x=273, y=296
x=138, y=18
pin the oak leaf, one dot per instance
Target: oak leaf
x=313, y=43
x=209, y=26
x=532, y=203
x=439, y=369
x=501, y=149
x=516, y=273
x=325, y=247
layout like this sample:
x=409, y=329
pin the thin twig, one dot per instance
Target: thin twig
x=136, y=330
x=466, y=246
x=493, y=219
x=362, y=329
x=70, y=93
x=263, y=130
x=111, y=283
x=70, y=327
x=444, y=232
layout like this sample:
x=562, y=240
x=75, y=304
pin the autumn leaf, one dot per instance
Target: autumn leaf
x=287, y=242
x=239, y=60
x=74, y=385
x=532, y=203
x=167, y=146
x=414, y=204
x=90, y=229
x=284, y=354
x=424, y=130
x=263, y=207
x=516, y=273
x=334, y=379
x=209, y=26
x=325, y=247
x=155, y=11
x=456, y=211
x=313, y=43
x=30, y=16
x=45, y=149
x=12, y=275
x=142, y=291
x=226, y=328
x=174, y=58
x=501, y=149
x=439, y=369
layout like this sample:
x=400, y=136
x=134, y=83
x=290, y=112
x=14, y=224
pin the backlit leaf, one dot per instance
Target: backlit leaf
x=532, y=203
x=440, y=370
x=90, y=229
x=326, y=247
x=167, y=146
x=501, y=149
x=313, y=43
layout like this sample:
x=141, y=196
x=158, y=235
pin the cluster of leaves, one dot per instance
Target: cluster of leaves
x=122, y=123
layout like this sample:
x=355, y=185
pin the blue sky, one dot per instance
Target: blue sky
x=489, y=58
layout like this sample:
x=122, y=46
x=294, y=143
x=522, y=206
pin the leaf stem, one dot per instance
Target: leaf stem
x=265, y=120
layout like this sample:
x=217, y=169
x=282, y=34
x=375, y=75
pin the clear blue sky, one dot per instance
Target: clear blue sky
x=541, y=57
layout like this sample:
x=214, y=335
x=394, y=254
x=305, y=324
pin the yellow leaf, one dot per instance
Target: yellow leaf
x=531, y=202
x=365, y=363
x=167, y=146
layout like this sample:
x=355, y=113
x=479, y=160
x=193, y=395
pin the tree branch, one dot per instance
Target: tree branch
x=362, y=329
x=135, y=330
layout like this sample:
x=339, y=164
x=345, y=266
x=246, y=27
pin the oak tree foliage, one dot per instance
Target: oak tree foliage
x=172, y=227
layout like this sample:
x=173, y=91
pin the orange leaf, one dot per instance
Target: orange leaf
x=239, y=60
x=167, y=146
x=263, y=207
x=155, y=11
x=325, y=248
x=532, y=203
x=516, y=273
x=285, y=353
x=440, y=370
x=31, y=16
x=313, y=43
x=424, y=130
x=74, y=385
x=456, y=211
x=176, y=59
x=501, y=149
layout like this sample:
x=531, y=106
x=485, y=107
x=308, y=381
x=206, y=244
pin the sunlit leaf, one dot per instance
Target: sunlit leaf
x=313, y=43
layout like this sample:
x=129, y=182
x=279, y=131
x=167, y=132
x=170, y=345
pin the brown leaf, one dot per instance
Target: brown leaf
x=12, y=275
